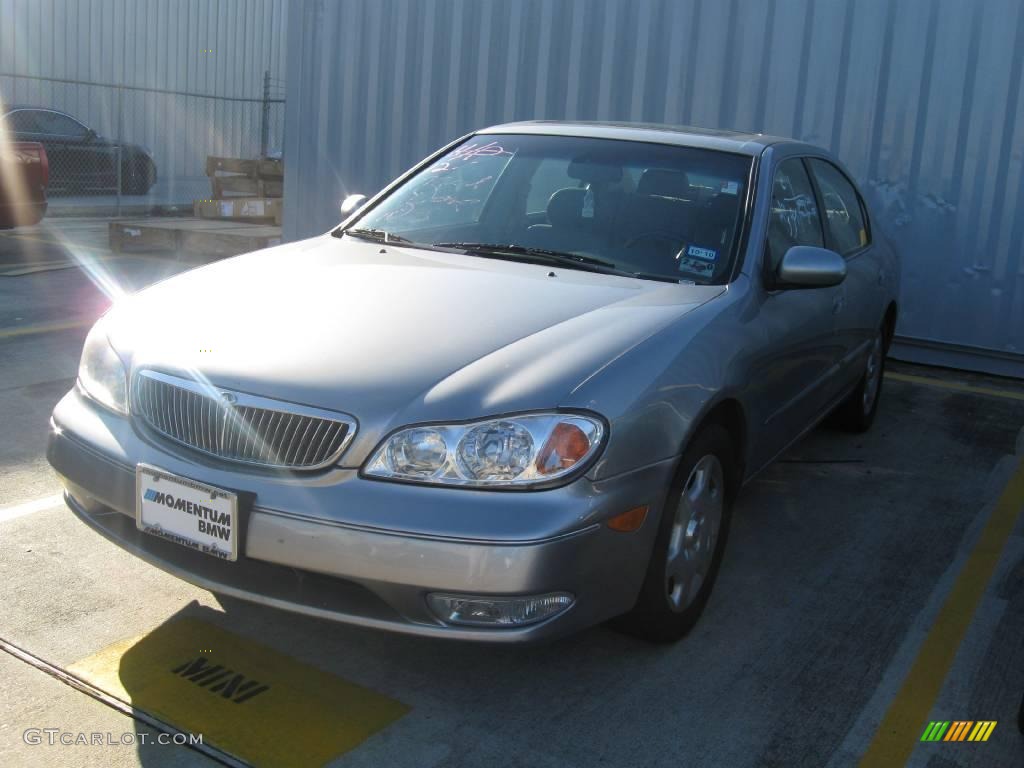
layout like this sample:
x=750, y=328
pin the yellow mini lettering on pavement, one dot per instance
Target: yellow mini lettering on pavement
x=245, y=698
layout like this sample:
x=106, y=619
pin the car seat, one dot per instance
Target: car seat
x=567, y=229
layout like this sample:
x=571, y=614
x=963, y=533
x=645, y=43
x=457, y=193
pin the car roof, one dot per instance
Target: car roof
x=740, y=142
x=8, y=108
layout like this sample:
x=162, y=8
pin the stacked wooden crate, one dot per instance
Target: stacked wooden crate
x=243, y=189
x=242, y=214
x=199, y=237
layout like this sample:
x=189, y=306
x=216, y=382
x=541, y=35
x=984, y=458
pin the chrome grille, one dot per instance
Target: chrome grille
x=237, y=426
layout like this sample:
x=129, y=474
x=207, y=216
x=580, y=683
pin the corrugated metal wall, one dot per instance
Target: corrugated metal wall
x=211, y=47
x=920, y=98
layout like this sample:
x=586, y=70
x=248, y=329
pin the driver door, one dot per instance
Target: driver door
x=793, y=379
x=76, y=162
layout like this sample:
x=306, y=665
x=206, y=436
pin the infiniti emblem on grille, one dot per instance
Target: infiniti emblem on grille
x=228, y=398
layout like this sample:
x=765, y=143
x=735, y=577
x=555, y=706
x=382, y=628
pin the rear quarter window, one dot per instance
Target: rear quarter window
x=845, y=221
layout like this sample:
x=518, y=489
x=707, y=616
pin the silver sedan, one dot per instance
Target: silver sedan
x=512, y=395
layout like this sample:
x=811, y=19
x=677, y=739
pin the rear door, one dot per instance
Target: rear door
x=793, y=380
x=848, y=233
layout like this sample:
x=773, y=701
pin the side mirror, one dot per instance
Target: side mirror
x=90, y=134
x=806, y=266
x=351, y=204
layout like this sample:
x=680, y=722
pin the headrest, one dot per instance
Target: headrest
x=565, y=208
x=594, y=171
x=665, y=183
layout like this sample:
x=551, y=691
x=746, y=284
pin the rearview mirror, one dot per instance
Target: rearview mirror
x=351, y=204
x=806, y=266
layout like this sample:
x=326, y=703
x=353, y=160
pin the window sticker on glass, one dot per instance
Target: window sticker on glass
x=730, y=187
x=698, y=267
x=705, y=254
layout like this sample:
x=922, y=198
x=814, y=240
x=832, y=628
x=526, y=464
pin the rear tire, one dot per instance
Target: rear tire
x=857, y=412
x=691, y=538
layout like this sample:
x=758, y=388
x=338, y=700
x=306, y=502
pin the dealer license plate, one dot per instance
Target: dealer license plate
x=189, y=513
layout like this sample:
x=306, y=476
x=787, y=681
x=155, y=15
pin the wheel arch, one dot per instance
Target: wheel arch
x=889, y=323
x=727, y=412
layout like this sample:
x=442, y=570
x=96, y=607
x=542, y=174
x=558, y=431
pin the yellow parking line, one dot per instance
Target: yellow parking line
x=246, y=699
x=898, y=733
x=955, y=386
x=30, y=330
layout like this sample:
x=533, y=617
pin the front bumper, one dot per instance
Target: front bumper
x=309, y=546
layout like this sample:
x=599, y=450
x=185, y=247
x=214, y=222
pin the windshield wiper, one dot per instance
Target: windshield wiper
x=524, y=250
x=577, y=260
x=377, y=235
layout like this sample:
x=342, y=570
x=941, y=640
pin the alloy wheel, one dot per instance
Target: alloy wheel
x=695, y=529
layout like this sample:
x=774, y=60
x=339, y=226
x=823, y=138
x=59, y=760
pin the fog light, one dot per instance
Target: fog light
x=497, y=611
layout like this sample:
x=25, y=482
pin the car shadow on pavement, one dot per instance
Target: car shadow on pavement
x=205, y=671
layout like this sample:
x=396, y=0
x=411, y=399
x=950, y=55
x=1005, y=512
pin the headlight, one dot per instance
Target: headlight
x=101, y=373
x=515, y=451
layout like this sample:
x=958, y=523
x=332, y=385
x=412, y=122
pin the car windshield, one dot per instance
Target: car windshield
x=651, y=210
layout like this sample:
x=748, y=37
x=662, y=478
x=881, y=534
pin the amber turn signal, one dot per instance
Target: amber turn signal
x=629, y=521
x=567, y=445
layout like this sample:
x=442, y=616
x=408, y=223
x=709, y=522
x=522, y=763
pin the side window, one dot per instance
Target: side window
x=552, y=174
x=22, y=121
x=58, y=125
x=793, y=219
x=844, y=216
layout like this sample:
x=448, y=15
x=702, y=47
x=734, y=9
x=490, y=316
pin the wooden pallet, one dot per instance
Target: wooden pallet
x=222, y=186
x=194, y=236
x=263, y=210
x=255, y=168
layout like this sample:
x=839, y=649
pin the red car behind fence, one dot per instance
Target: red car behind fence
x=24, y=175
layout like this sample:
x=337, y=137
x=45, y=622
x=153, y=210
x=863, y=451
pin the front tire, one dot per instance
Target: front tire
x=138, y=176
x=691, y=539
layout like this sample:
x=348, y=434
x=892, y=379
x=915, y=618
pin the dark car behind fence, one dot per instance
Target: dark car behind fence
x=132, y=144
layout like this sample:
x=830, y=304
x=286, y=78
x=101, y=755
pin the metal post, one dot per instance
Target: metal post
x=265, y=117
x=120, y=130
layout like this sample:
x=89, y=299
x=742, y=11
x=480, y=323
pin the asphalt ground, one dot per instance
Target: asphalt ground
x=872, y=584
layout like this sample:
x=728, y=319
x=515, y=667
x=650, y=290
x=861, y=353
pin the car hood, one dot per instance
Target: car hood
x=393, y=335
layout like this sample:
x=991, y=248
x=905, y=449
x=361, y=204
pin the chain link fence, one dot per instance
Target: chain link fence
x=127, y=146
